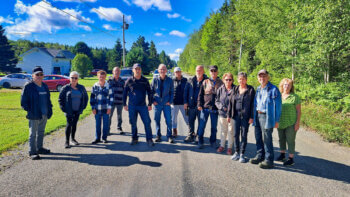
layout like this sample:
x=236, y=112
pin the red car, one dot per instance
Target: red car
x=94, y=71
x=56, y=82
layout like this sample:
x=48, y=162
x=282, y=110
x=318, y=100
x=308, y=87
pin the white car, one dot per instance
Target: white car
x=156, y=73
x=16, y=80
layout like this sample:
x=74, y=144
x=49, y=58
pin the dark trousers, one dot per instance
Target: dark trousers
x=204, y=116
x=71, y=126
x=119, y=109
x=143, y=112
x=193, y=114
x=240, y=126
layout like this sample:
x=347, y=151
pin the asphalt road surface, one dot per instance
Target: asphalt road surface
x=180, y=169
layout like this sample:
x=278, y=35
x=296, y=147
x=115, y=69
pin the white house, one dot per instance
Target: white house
x=53, y=61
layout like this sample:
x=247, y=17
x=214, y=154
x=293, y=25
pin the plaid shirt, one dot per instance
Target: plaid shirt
x=101, y=98
x=118, y=88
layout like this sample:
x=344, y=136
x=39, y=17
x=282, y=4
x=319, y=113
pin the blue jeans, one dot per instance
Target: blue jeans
x=143, y=111
x=167, y=115
x=105, y=118
x=36, y=134
x=263, y=138
x=241, y=127
x=193, y=114
x=204, y=115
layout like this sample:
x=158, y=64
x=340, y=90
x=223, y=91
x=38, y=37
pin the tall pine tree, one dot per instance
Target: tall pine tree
x=7, y=54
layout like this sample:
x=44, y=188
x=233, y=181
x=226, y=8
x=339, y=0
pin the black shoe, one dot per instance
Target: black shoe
x=105, y=141
x=134, y=141
x=189, y=139
x=200, y=146
x=74, y=142
x=121, y=132
x=214, y=145
x=66, y=145
x=96, y=141
x=34, y=157
x=256, y=160
x=150, y=143
x=289, y=162
x=44, y=151
x=171, y=140
x=158, y=139
x=266, y=165
x=282, y=157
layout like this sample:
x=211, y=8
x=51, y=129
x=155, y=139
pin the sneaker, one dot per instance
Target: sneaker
x=229, y=151
x=171, y=140
x=121, y=132
x=34, y=157
x=220, y=149
x=242, y=159
x=158, y=139
x=95, y=141
x=134, y=141
x=200, y=146
x=66, y=145
x=266, y=165
x=235, y=156
x=105, y=141
x=150, y=143
x=256, y=160
x=74, y=142
x=189, y=139
x=44, y=151
x=289, y=162
x=282, y=157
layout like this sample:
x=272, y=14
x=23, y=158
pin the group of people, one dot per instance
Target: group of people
x=235, y=107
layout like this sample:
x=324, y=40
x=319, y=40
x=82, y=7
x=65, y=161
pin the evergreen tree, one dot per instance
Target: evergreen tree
x=153, y=57
x=81, y=47
x=7, y=54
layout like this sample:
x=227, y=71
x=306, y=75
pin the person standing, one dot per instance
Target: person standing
x=35, y=99
x=267, y=113
x=179, y=88
x=101, y=103
x=222, y=103
x=190, y=100
x=136, y=88
x=117, y=85
x=163, y=96
x=73, y=100
x=206, y=106
x=240, y=113
x=289, y=122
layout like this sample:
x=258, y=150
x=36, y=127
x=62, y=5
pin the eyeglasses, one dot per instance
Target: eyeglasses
x=75, y=78
x=214, y=71
x=228, y=79
x=39, y=74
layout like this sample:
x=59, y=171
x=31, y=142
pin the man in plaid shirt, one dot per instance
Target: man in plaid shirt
x=101, y=102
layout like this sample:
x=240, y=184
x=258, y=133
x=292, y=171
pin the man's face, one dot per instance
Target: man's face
x=263, y=78
x=178, y=74
x=199, y=71
x=162, y=71
x=102, y=77
x=38, y=77
x=242, y=80
x=213, y=73
x=137, y=71
x=116, y=72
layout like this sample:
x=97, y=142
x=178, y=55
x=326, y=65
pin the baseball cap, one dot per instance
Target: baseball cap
x=263, y=71
x=37, y=69
x=137, y=65
x=176, y=69
x=214, y=67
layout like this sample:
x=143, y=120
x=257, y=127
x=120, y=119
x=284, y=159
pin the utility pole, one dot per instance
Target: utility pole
x=125, y=27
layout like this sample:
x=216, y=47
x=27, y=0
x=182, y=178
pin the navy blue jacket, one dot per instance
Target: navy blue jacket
x=30, y=101
x=65, y=99
x=179, y=90
x=168, y=90
x=190, y=97
x=137, y=90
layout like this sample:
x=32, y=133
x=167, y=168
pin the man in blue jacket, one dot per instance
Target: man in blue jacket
x=163, y=95
x=267, y=112
x=35, y=99
x=136, y=88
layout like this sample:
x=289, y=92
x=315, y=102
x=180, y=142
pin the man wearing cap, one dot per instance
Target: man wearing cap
x=35, y=99
x=267, y=112
x=136, y=88
x=179, y=88
x=190, y=100
x=206, y=106
x=163, y=96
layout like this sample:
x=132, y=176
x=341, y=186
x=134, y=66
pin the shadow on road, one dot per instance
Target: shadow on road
x=117, y=160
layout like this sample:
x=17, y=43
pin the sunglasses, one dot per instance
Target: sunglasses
x=39, y=74
x=214, y=71
x=75, y=78
x=228, y=79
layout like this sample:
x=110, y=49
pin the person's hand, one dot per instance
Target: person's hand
x=186, y=106
x=276, y=125
x=296, y=127
x=126, y=108
x=228, y=120
x=200, y=108
x=225, y=109
x=167, y=103
x=155, y=103
x=251, y=120
x=94, y=111
x=108, y=111
x=149, y=108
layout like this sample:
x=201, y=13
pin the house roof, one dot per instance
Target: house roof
x=56, y=53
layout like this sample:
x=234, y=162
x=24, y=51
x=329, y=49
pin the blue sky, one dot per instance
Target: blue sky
x=167, y=22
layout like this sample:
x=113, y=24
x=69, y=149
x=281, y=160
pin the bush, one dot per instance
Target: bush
x=82, y=64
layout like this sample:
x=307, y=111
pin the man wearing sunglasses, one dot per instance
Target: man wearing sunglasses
x=35, y=99
x=206, y=106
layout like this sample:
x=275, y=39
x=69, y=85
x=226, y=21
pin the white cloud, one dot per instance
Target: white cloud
x=77, y=1
x=109, y=27
x=158, y=34
x=7, y=20
x=179, y=50
x=127, y=2
x=175, y=56
x=177, y=33
x=175, y=15
x=111, y=14
x=162, y=5
x=164, y=43
x=44, y=18
x=186, y=19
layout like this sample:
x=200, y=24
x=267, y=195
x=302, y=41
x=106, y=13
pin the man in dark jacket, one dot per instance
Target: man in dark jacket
x=35, y=99
x=206, y=106
x=117, y=85
x=190, y=100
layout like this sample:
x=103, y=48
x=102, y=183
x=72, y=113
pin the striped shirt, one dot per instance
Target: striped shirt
x=118, y=89
x=101, y=98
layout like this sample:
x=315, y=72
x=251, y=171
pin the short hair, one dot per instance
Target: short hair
x=101, y=72
x=290, y=83
x=73, y=73
x=242, y=74
x=200, y=66
x=227, y=74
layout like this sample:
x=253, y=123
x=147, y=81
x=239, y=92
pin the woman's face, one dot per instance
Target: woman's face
x=287, y=87
x=74, y=79
x=228, y=81
x=242, y=80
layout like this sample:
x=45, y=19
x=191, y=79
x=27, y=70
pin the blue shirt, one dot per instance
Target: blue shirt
x=43, y=99
x=261, y=99
x=76, y=98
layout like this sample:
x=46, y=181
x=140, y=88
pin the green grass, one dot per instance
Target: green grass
x=14, y=125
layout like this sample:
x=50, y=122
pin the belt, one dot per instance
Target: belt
x=260, y=112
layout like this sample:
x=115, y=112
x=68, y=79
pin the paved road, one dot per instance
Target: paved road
x=118, y=169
